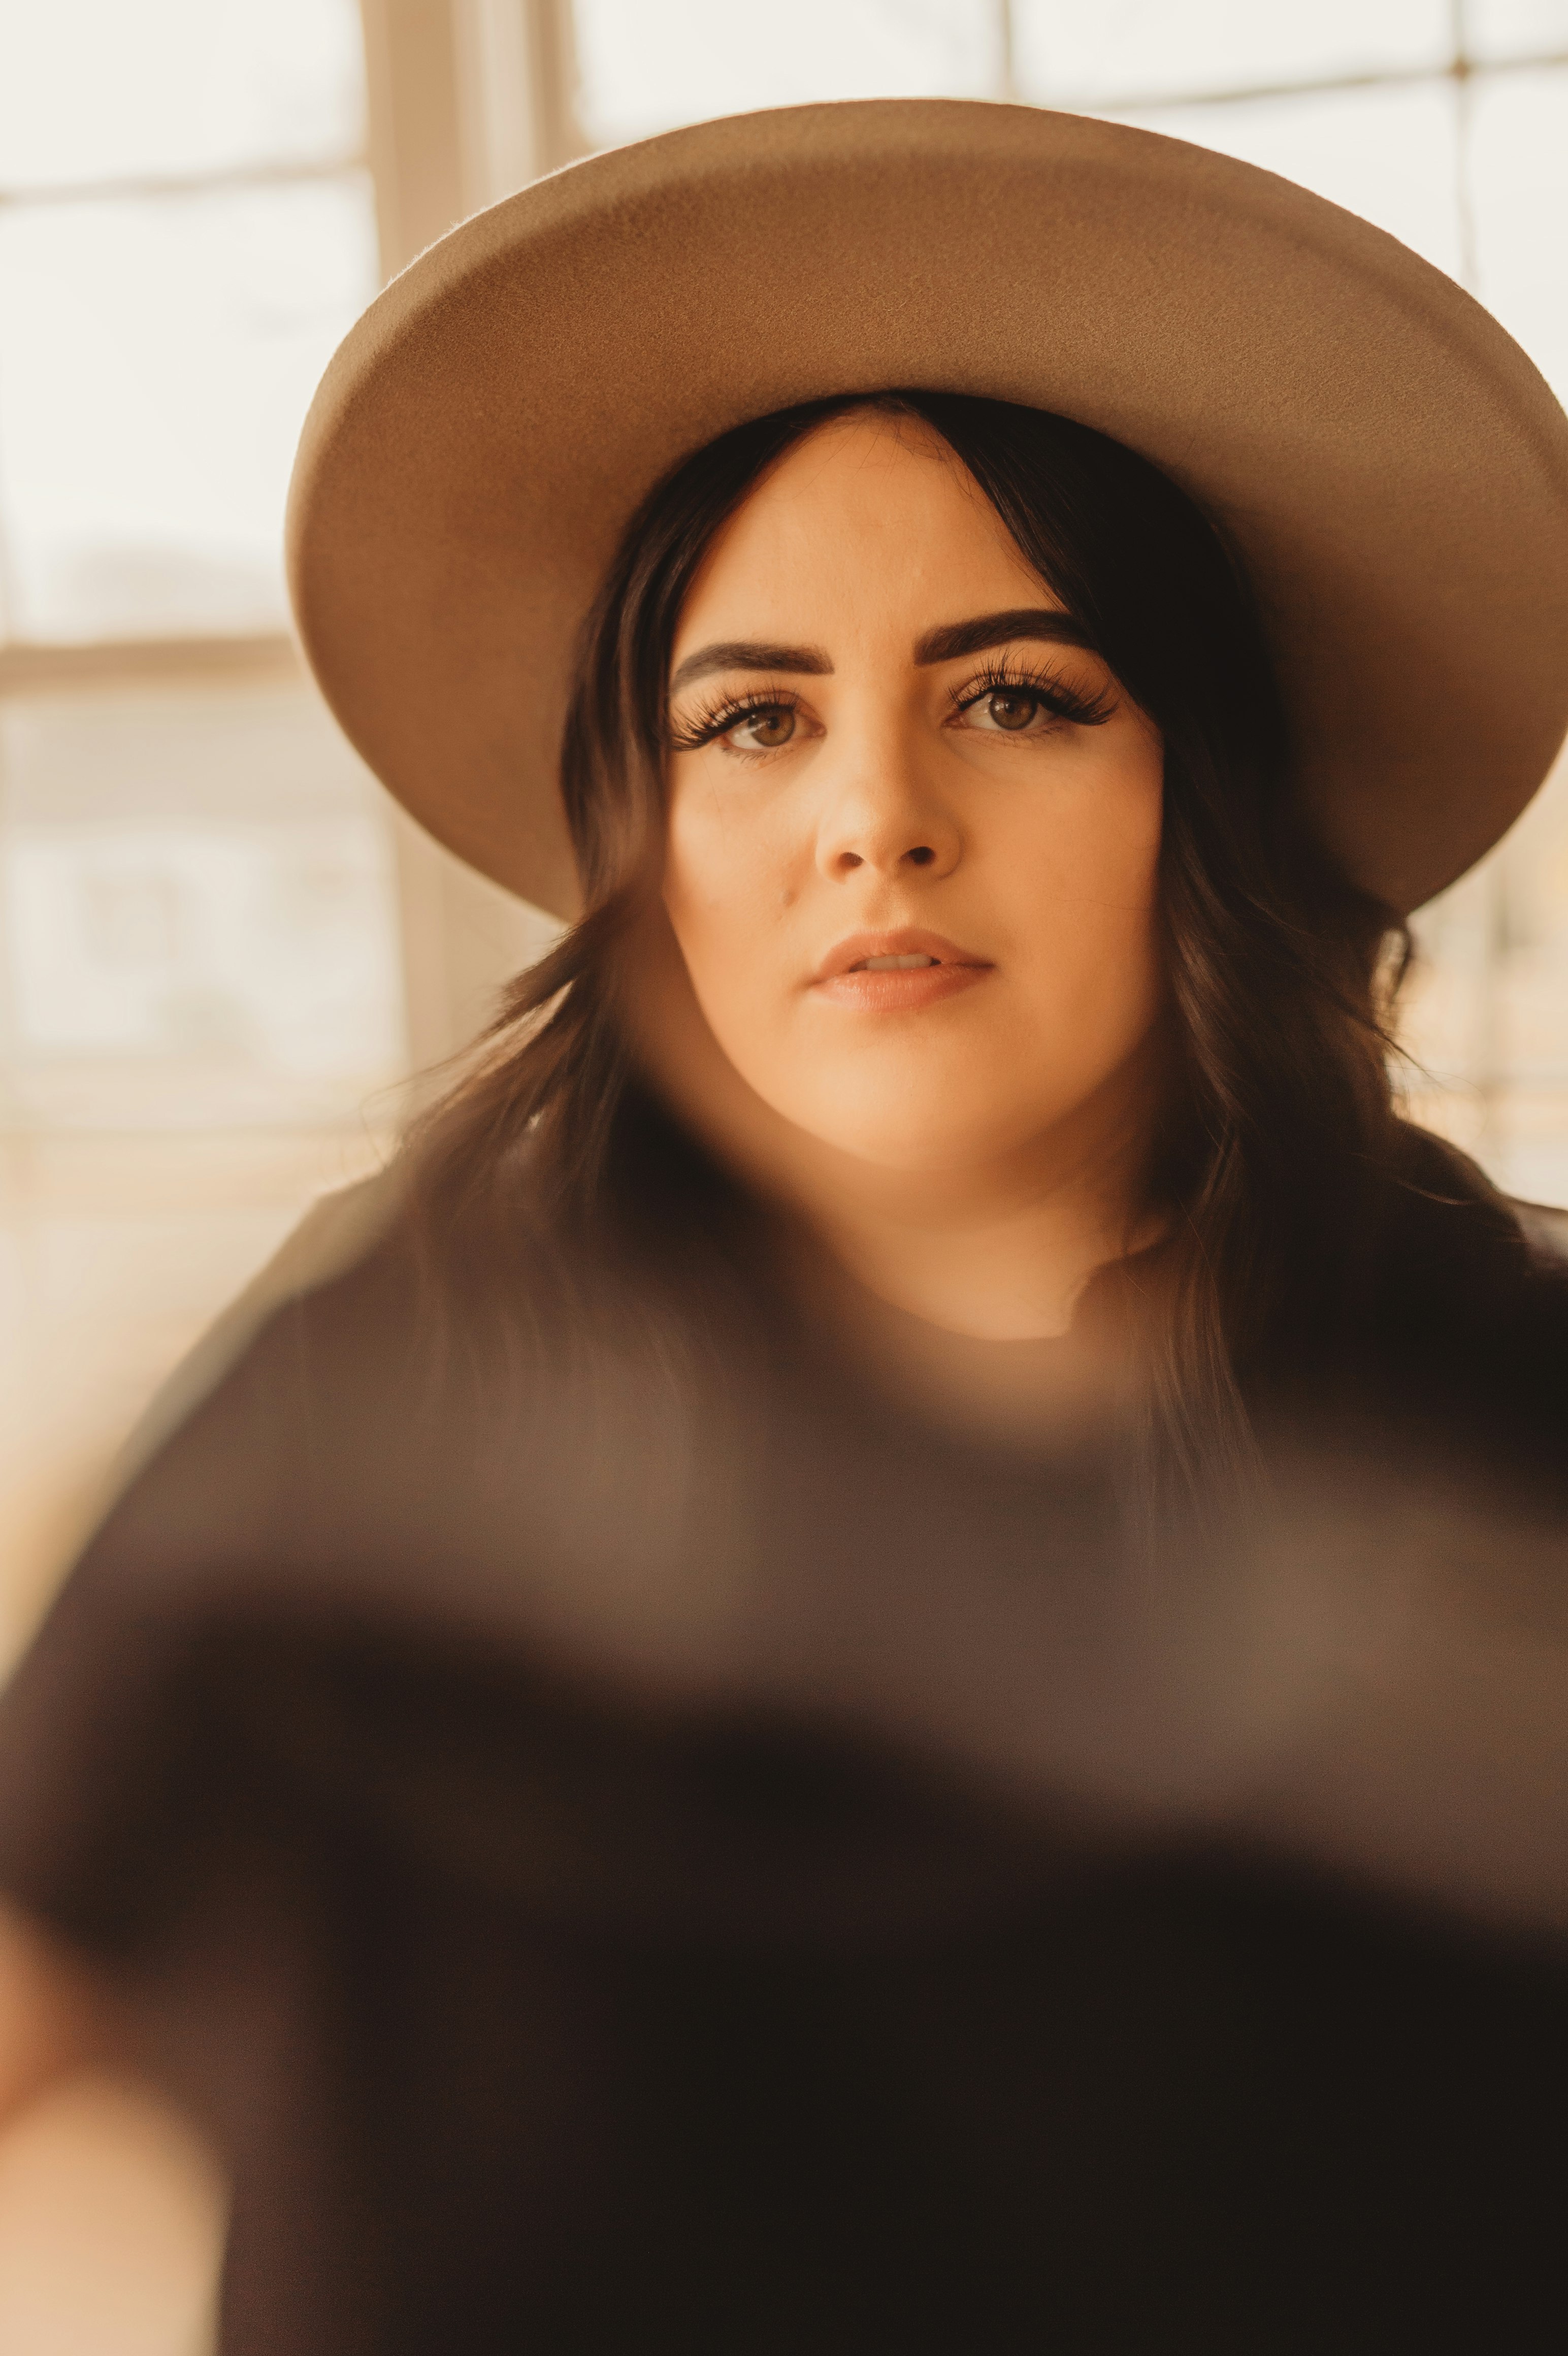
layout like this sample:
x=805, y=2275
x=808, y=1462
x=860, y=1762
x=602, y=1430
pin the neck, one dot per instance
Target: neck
x=1003, y=1256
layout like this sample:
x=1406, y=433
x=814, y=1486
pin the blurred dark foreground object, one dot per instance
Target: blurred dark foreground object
x=707, y=1859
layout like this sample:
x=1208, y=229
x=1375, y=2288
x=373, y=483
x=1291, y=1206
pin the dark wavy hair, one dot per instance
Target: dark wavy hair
x=1275, y=1157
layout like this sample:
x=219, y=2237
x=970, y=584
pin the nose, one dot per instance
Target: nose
x=883, y=820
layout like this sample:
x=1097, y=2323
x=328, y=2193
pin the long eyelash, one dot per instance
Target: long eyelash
x=1066, y=702
x=724, y=713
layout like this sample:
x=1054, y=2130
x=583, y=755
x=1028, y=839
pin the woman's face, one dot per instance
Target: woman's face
x=914, y=827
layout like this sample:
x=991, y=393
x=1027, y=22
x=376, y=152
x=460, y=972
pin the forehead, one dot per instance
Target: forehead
x=868, y=517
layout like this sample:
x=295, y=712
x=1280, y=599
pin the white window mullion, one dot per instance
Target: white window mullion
x=468, y=101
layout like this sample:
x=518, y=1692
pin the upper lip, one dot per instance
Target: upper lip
x=908, y=942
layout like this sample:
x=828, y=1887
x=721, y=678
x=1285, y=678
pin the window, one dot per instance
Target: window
x=200, y=988
x=220, y=949
x=186, y=227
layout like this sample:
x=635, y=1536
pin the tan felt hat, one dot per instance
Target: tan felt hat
x=1390, y=464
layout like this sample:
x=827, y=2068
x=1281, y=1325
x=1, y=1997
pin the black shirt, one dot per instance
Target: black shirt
x=689, y=1863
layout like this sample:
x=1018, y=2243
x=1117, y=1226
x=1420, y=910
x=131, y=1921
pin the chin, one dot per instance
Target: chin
x=934, y=1140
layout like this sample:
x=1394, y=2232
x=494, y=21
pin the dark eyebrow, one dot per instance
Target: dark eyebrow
x=748, y=654
x=956, y=640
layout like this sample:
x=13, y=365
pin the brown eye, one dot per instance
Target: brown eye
x=762, y=731
x=1010, y=708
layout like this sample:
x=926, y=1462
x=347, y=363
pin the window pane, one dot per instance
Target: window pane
x=1515, y=28
x=157, y=358
x=103, y=88
x=1390, y=154
x=197, y=912
x=1518, y=165
x=645, y=68
x=1487, y=1017
x=1069, y=55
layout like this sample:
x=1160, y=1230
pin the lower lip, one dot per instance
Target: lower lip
x=901, y=989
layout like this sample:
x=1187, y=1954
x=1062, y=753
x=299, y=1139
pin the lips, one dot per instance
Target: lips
x=897, y=972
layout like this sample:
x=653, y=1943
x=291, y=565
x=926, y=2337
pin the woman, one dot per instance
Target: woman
x=682, y=1746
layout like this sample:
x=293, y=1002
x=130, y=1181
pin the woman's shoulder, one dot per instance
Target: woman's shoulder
x=1470, y=1309
x=1544, y=1228
x=1449, y=1215
x=354, y=1326
x=339, y=1232
x=386, y=1412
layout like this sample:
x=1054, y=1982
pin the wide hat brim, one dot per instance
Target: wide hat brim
x=1391, y=467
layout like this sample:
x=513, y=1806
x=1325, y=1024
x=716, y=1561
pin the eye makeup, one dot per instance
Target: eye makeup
x=722, y=713
x=1049, y=691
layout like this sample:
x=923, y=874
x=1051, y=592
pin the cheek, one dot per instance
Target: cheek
x=721, y=850
x=1080, y=875
x=1076, y=891
x=728, y=885
x=1110, y=830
